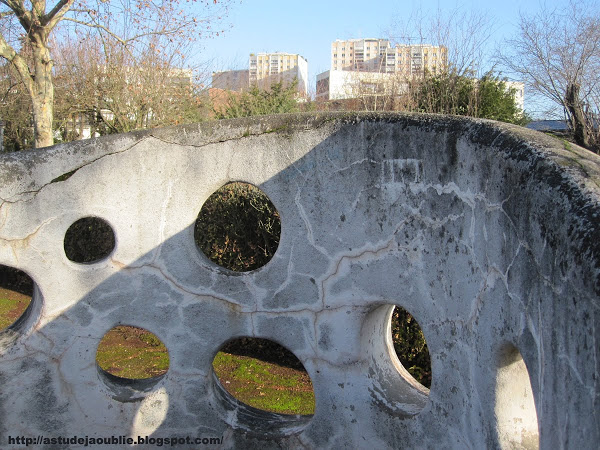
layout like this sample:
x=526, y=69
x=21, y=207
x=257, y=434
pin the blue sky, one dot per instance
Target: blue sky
x=308, y=27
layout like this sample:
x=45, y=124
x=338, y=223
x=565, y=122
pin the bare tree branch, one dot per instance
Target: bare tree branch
x=57, y=13
x=557, y=53
x=134, y=25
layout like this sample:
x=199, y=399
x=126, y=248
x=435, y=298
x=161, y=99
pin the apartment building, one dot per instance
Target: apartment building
x=268, y=68
x=519, y=92
x=264, y=69
x=378, y=55
x=361, y=66
x=345, y=84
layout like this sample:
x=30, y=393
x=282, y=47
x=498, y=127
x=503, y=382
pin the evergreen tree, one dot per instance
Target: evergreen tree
x=488, y=97
x=258, y=102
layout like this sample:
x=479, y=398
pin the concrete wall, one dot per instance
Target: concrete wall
x=488, y=234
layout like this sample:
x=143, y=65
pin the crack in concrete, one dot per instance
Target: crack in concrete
x=35, y=192
x=330, y=363
x=232, y=304
x=307, y=224
x=355, y=256
x=25, y=239
x=245, y=134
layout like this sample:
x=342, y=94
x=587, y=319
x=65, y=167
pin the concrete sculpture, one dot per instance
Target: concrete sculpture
x=488, y=234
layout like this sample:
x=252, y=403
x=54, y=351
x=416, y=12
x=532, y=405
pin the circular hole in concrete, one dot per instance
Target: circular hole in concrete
x=16, y=293
x=238, y=227
x=89, y=240
x=132, y=353
x=265, y=375
x=410, y=346
x=516, y=415
x=393, y=388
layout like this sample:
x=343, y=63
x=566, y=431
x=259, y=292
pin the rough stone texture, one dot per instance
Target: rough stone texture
x=488, y=234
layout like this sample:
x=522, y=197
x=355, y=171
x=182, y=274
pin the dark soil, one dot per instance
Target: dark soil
x=265, y=350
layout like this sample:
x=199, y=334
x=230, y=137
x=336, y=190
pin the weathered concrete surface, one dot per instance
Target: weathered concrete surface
x=488, y=234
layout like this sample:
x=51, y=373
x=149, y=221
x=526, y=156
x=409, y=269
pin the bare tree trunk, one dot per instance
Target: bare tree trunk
x=42, y=94
x=575, y=109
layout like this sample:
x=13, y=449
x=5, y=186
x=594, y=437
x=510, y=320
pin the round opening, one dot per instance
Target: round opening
x=89, y=240
x=238, y=227
x=132, y=353
x=16, y=292
x=393, y=387
x=410, y=346
x=516, y=415
x=265, y=375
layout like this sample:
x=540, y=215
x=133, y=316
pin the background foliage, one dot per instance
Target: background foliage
x=488, y=97
x=410, y=346
x=257, y=102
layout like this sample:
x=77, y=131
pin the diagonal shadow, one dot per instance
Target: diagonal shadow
x=473, y=227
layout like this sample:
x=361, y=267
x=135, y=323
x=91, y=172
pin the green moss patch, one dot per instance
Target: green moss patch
x=12, y=306
x=263, y=385
x=131, y=352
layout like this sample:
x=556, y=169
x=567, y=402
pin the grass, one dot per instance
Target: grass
x=264, y=385
x=135, y=353
x=12, y=306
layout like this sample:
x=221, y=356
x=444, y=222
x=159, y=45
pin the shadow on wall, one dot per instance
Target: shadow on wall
x=466, y=225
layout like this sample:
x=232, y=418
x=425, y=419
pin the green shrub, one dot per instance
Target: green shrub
x=410, y=346
x=257, y=102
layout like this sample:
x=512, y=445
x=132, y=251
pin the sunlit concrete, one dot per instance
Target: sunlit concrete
x=488, y=234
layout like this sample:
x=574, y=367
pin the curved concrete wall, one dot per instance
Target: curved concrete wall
x=488, y=234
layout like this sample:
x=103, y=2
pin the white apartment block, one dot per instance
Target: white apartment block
x=268, y=68
x=378, y=55
x=264, y=69
x=360, y=66
x=519, y=89
x=345, y=84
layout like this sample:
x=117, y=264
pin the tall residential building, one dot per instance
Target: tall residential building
x=268, y=68
x=363, y=67
x=264, y=69
x=378, y=55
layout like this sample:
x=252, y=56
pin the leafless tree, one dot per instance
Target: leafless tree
x=15, y=110
x=104, y=87
x=557, y=53
x=26, y=27
x=465, y=33
x=374, y=91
